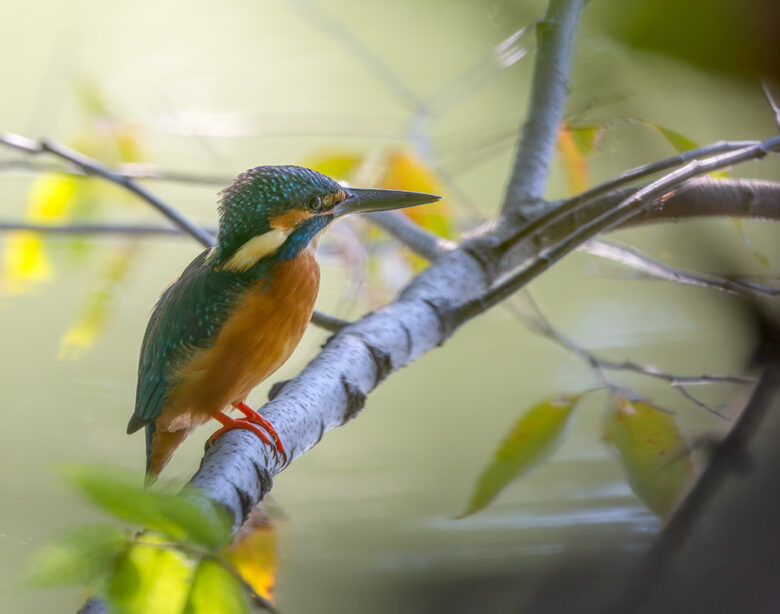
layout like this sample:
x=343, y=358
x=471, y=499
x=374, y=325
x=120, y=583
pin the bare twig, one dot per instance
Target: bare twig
x=631, y=257
x=412, y=235
x=86, y=229
x=772, y=102
x=93, y=167
x=555, y=36
x=538, y=322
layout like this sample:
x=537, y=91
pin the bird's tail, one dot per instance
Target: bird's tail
x=160, y=445
x=150, y=478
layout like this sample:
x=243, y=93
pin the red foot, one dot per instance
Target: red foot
x=228, y=424
x=253, y=416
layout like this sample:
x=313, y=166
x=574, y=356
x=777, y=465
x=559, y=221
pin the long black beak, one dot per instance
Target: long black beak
x=367, y=200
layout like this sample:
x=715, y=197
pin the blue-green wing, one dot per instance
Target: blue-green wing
x=188, y=316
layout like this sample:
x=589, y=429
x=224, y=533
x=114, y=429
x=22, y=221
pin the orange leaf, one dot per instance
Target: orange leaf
x=574, y=162
x=254, y=554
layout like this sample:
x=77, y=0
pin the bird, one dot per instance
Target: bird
x=240, y=308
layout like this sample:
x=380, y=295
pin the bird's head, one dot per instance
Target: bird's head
x=281, y=209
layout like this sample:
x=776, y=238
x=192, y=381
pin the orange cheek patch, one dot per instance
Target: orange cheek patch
x=290, y=220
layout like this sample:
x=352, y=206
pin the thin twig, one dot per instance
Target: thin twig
x=555, y=36
x=631, y=257
x=99, y=229
x=423, y=243
x=93, y=167
x=130, y=170
x=772, y=102
x=538, y=322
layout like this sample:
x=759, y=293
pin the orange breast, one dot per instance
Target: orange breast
x=256, y=340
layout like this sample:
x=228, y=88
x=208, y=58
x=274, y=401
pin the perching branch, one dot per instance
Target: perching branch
x=237, y=471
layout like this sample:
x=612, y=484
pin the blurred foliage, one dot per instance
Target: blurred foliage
x=178, y=563
x=97, y=305
x=533, y=438
x=396, y=169
x=174, y=516
x=736, y=38
x=254, y=554
x=58, y=199
x=654, y=456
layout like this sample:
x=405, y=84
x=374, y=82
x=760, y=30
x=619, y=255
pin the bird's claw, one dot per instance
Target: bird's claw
x=255, y=424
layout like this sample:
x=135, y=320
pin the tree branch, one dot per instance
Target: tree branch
x=555, y=34
x=564, y=215
x=652, y=269
x=93, y=167
x=423, y=243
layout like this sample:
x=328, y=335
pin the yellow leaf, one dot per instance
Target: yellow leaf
x=215, y=591
x=81, y=335
x=50, y=198
x=532, y=439
x=254, y=554
x=150, y=580
x=653, y=454
x=574, y=162
x=407, y=172
x=25, y=261
x=339, y=165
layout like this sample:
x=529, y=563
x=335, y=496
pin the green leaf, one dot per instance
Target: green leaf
x=587, y=137
x=215, y=591
x=654, y=455
x=121, y=495
x=85, y=557
x=150, y=580
x=680, y=142
x=532, y=439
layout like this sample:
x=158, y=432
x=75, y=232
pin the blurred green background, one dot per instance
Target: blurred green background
x=366, y=518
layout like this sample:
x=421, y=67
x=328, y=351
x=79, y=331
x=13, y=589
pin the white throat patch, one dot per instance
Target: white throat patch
x=257, y=248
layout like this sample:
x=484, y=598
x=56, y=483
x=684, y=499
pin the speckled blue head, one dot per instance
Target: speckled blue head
x=263, y=194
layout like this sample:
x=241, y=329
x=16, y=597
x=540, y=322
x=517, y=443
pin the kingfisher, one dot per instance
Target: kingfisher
x=240, y=308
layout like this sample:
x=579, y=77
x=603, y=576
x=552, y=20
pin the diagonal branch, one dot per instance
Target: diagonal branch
x=603, y=222
x=93, y=167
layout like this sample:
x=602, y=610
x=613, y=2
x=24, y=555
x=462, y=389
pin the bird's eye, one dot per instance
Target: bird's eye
x=315, y=204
